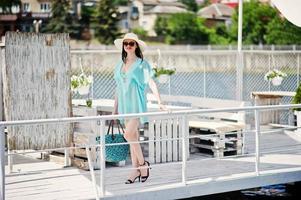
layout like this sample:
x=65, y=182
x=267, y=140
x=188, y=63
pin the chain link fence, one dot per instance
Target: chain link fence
x=164, y=47
x=209, y=74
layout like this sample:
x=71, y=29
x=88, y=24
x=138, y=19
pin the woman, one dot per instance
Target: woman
x=132, y=75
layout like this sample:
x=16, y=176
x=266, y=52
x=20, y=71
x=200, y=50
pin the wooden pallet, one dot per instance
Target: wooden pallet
x=219, y=145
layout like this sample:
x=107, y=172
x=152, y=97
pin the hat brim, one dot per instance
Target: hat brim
x=119, y=43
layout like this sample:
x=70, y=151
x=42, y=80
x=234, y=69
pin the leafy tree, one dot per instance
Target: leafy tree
x=85, y=21
x=161, y=25
x=6, y=5
x=186, y=28
x=62, y=21
x=86, y=15
x=282, y=32
x=191, y=5
x=256, y=17
x=205, y=3
x=297, y=98
x=121, y=2
x=105, y=22
x=140, y=32
x=219, y=35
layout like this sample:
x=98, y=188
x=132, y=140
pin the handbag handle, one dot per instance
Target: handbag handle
x=111, y=127
x=120, y=126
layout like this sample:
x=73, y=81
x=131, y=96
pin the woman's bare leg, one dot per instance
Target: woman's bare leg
x=132, y=135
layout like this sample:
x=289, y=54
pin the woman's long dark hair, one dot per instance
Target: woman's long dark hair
x=138, y=53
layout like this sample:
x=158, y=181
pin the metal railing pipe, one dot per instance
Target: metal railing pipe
x=101, y=129
x=184, y=149
x=148, y=114
x=257, y=141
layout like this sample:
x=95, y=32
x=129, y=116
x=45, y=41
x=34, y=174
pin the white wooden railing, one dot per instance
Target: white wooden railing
x=183, y=114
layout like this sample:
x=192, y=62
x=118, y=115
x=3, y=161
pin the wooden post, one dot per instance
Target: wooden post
x=36, y=85
x=2, y=164
x=1, y=81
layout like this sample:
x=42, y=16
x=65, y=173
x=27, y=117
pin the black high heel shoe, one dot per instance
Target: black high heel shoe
x=144, y=178
x=129, y=181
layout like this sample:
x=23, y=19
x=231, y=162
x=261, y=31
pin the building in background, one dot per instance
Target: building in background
x=8, y=20
x=216, y=13
x=34, y=15
x=143, y=13
x=30, y=15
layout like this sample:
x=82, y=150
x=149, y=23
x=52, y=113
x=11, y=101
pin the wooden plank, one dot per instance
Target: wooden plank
x=158, y=143
x=2, y=67
x=164, y=137
x=175, y=142
x=83, y=138
x=187, y=134
x=151, y=134
x=268, y=94
x=217, y=126
x=236, y=172
x=180, y=135
x=56, y=181
x=36, y=84
x=199, y=101
x=223, y=116
x=169, y=143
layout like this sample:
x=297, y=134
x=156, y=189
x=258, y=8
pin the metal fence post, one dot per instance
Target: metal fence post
x=298, y=69
x=269, y=70
x=257, y=141
x=239, y=75
x=204, y=78
x=2, y=163
x=101, y=130
x=184, y=149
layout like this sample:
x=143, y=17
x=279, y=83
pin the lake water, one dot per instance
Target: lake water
x=278, y=192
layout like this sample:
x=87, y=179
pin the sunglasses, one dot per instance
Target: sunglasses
x=129, y=43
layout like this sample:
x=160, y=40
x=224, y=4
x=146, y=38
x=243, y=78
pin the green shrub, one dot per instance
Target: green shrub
x=297, y=98
x=161, y=71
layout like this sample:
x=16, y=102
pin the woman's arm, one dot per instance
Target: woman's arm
x=153, y=86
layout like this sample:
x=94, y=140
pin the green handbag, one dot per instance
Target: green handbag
x=115, y=153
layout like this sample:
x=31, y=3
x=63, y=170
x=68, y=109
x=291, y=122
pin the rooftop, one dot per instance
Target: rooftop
x=216, y=10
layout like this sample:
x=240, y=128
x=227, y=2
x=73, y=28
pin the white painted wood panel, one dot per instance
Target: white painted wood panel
x=175, y=146
x=151, y=133
x=2, y=63
x=164, y=137
x=169, y=143
x=37, y=86
x=158, y=142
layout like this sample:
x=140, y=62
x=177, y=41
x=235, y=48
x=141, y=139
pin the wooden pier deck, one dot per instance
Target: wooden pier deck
x=37, y=179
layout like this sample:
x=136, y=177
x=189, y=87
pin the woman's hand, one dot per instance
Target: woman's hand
x=162, y=107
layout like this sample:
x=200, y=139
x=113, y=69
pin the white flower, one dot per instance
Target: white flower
x=81, y=80
x=273, y=74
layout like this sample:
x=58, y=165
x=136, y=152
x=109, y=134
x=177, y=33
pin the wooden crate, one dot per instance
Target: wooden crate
x=165, y=135
x=219, y=145
x=84, y=134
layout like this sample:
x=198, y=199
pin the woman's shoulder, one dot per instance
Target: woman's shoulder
x=118, y=64
x=143, y=63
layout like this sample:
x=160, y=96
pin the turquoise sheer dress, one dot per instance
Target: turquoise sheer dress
x=131, y=86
